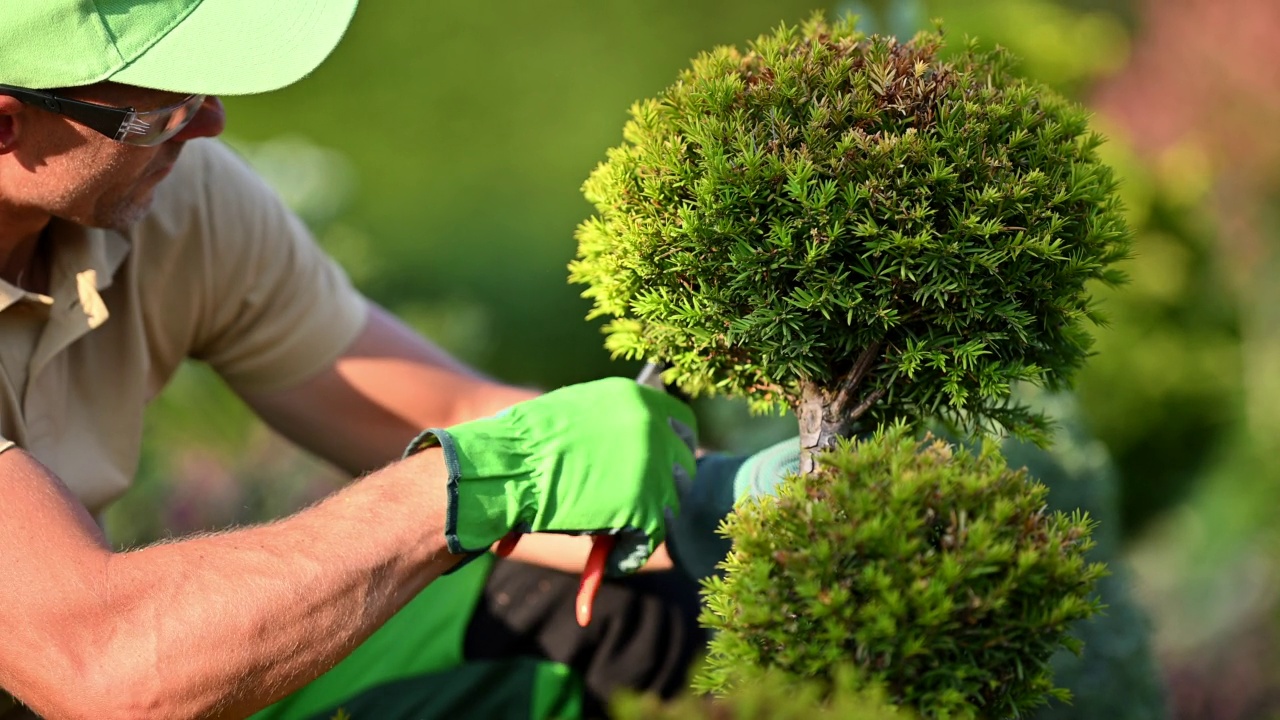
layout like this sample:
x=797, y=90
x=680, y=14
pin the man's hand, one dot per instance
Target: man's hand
x=604, y=456
x=721, y=481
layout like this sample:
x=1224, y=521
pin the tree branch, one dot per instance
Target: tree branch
x=866, y=404
x=850, y=382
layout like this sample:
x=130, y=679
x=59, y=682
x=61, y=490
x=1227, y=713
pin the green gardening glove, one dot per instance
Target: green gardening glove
x=693, y=540
x=600, y=457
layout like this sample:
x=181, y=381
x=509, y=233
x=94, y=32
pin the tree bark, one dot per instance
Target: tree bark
x=819, y=425
x=828, y=414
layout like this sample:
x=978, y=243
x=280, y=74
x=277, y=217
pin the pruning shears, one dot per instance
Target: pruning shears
x=601, y=545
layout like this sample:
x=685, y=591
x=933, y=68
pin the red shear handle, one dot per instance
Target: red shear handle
x=507, y=544
x=601, y=545
x=592, y=575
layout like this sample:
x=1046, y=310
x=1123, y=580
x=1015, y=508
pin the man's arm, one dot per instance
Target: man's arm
x=214, y=626
x=363, y=410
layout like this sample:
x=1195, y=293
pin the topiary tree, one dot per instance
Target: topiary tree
x=879, y=238
x=856, y=228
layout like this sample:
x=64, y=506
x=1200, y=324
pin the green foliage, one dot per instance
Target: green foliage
x=937, y=572
x=824, y=197
x=770, y=695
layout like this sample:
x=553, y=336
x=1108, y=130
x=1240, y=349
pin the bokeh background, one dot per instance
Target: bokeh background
x=439, y=155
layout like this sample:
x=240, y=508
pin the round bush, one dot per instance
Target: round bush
x=832, y=213
x=937, y=572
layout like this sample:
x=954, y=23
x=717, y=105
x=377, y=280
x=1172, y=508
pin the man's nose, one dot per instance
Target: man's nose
x=209, y=121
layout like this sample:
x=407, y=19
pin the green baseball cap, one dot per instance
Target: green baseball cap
x=208, y=47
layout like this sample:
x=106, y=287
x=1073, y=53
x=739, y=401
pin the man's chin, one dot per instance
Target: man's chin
x=125, y=215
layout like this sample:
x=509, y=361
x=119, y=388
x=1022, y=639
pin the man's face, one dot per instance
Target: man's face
x=69, y=171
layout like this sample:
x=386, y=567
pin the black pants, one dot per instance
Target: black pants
x=643, y=634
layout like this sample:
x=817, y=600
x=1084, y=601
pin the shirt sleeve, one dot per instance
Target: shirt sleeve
x=274, y=308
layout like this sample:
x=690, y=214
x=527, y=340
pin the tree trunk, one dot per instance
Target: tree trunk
x=820, y=425
x=827, y=414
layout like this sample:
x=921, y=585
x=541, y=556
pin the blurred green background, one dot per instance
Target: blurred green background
x=438, y=154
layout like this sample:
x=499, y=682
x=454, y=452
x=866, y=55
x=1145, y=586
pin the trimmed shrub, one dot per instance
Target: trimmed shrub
x=937, y=572
x=857, y=228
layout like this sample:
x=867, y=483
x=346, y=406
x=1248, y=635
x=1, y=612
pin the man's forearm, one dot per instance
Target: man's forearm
x=360, y=412
x=223, y=625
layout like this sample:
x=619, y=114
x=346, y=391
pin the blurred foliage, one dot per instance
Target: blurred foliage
x=1060, y=46
x=208, y=464
x=1166, y=386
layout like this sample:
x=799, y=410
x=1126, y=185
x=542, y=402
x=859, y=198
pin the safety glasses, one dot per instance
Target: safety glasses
x=146, y=129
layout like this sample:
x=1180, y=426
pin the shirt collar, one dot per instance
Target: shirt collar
x=89, y=266
x=84, y=263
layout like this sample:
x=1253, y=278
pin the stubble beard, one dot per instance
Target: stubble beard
x=124, y=213
x=126, y=209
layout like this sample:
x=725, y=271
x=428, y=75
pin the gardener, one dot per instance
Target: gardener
x=129, y=241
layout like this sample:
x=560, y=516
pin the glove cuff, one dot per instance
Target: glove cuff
x=488, y=492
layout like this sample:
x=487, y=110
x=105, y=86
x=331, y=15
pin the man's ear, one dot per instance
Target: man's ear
x=9, y=109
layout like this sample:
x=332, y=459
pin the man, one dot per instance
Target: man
x=130, y=241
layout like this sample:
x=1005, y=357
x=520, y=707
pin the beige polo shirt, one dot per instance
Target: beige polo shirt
x=219, y=270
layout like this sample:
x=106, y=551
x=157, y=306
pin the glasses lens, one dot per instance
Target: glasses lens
x=155, y=126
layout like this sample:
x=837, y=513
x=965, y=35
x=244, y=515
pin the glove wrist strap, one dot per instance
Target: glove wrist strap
x=487, y=489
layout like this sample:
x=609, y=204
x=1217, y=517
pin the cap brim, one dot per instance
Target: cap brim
x=241, y=47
